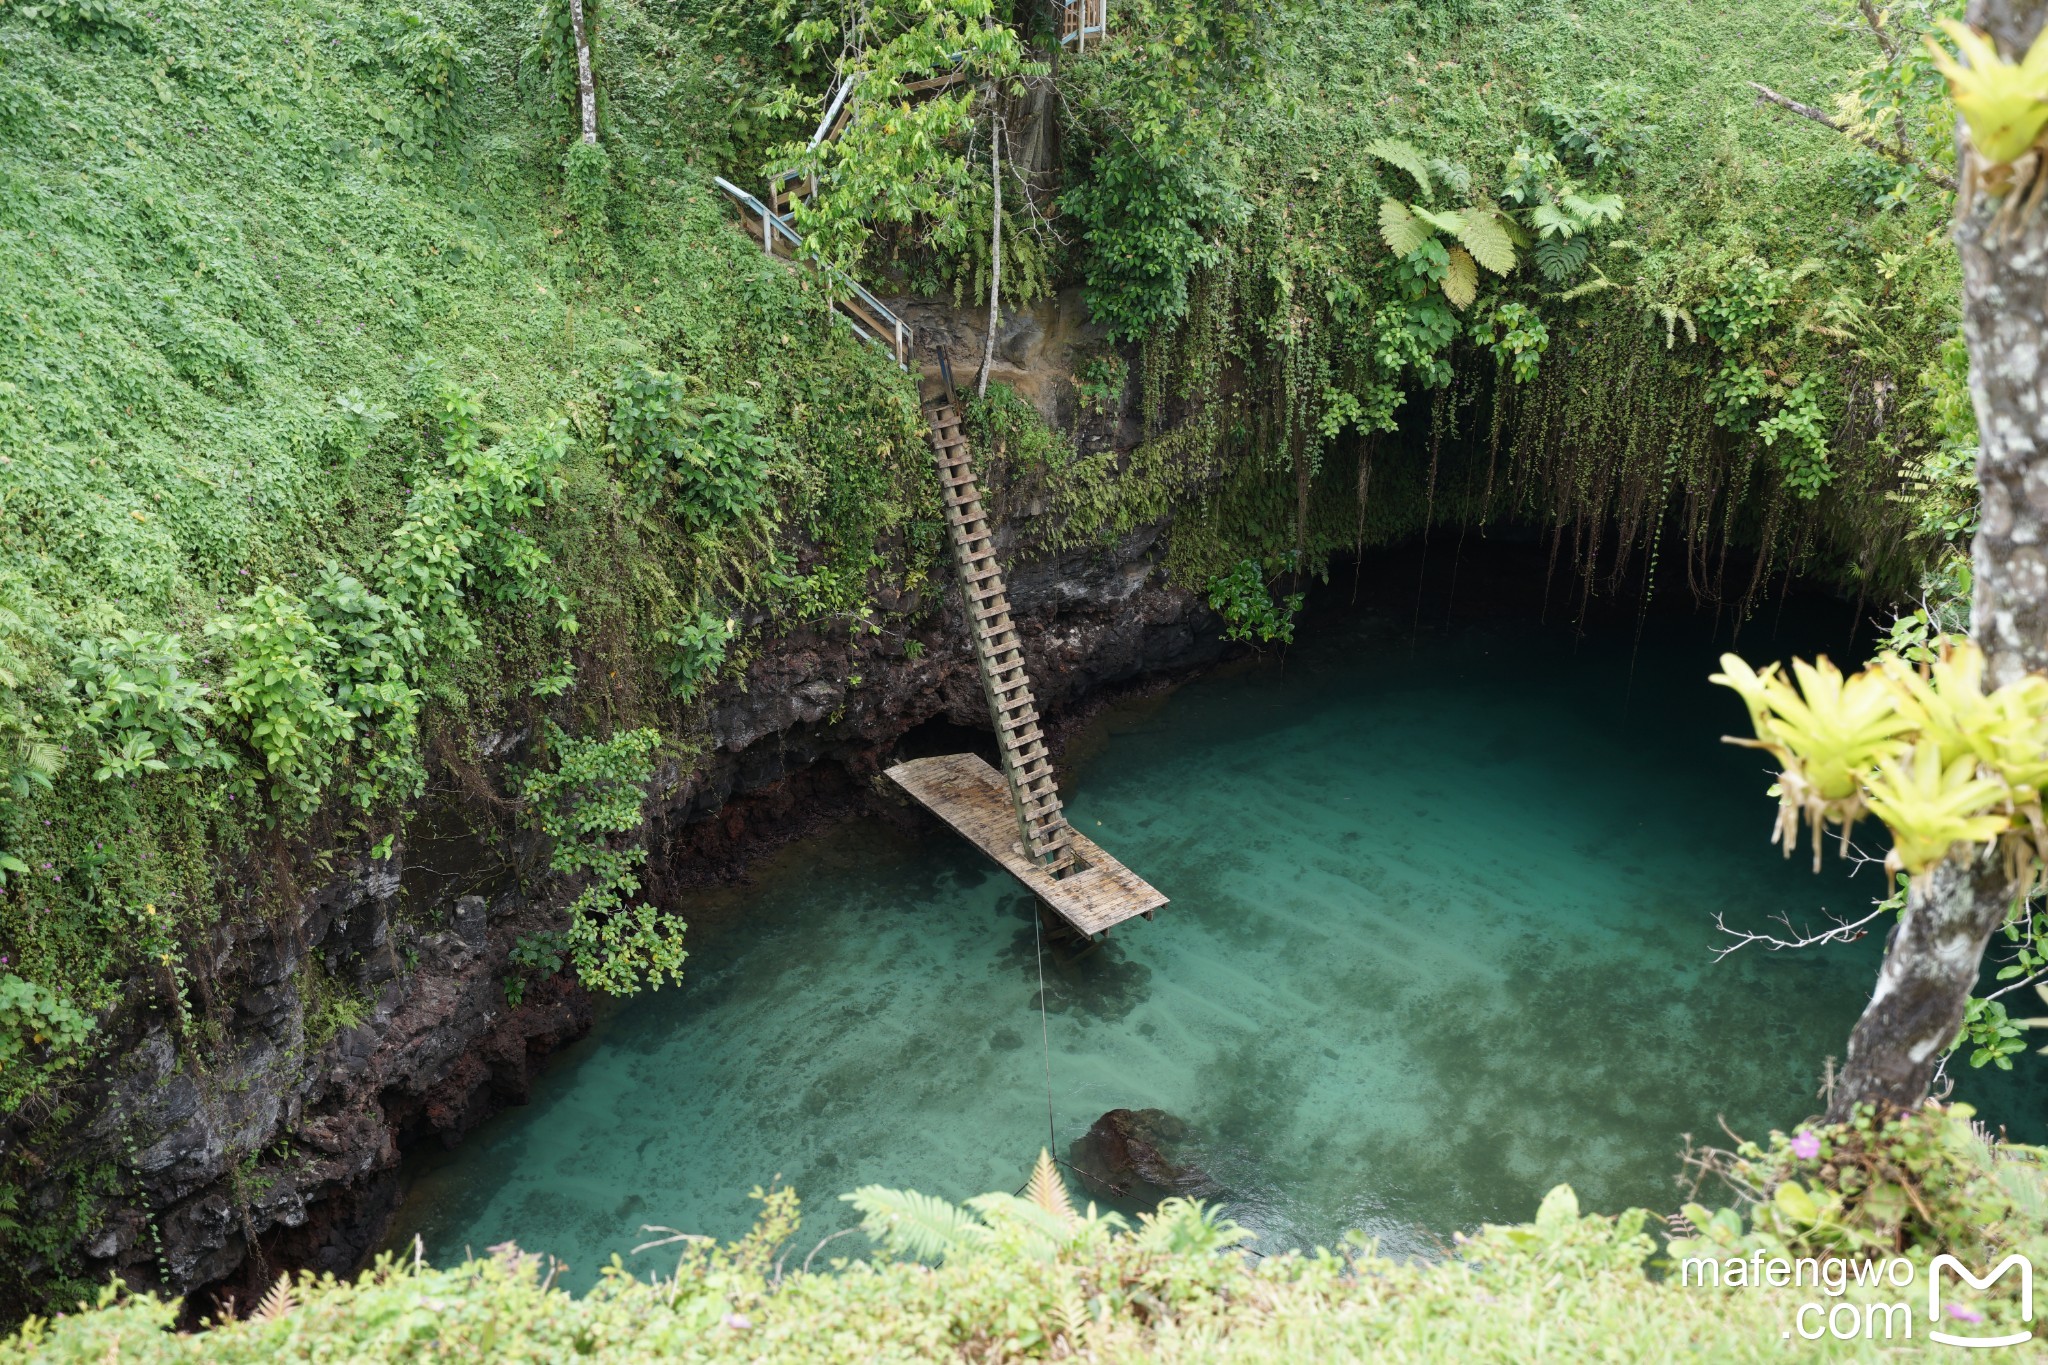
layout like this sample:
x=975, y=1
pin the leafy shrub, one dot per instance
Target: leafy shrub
x=463, y=529
x=1247, y=607
x=435, y=70
x=1100, y=381
x=1152, y=220
x=377, y=646
x=276, y=685
x=594, y=794
x=587, y=195
x=541, y=954
x=135, y=698
x=34, y=1017
x=704, y=462
x=694, y=651
x=1048, y=1281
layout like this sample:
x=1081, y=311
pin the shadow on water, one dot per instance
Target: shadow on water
x=1441, y=936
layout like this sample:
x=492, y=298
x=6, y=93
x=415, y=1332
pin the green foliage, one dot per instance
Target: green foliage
x=539, y=954
x=553, y=50
x=587, y=195
x=1990, y=1034
x=593, y=795
x=1100, y=382
x=1152, y=218
x=695, y=651
x=136, y=699
x=434, y=69
x=705, y=463
x=900, y=160
x=1049, y=1282
x=75, y=18
x=36, y=1020
x=1516, y=336
x=275, y=685
x=1915, y=1184
x=1246, y=605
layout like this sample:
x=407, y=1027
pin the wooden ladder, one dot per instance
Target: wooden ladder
x=1046, y=837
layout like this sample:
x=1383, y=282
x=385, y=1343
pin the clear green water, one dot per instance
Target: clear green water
x=1440, y=938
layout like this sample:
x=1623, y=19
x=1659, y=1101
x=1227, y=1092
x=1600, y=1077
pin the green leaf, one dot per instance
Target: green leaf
x=1402, y=231
x=1405, y=157
x=1461, y=278
x=1793, y=1201
x=1487, y=240
x=909, y=1223
x=1559, y=1207
x=1594, y=209
x=1560, y=258
x=1450, y=220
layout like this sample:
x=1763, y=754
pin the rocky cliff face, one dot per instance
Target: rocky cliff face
x=283, y=1151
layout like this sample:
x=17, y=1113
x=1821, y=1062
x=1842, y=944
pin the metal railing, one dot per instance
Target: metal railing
x=869, y=317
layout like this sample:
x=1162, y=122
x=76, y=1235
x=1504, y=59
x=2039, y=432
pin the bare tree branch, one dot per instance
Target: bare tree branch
x=2023, y=981
x=1766, y=95
x=1844, y=931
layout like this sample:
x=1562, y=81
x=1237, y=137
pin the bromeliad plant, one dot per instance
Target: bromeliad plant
x=1926, y=750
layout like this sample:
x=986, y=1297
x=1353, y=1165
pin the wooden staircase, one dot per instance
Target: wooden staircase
x=1045, y=837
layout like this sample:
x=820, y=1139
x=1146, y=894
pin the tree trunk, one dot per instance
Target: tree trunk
x=995, y=257
x=586, y=89
x=1932, y=960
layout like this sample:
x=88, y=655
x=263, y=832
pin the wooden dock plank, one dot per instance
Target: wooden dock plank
x=971, y=796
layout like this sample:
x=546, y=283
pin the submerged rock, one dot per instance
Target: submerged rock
x=1139, y=1155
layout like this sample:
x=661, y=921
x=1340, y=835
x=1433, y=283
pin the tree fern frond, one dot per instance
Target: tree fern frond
x=1593, y=210
x=1461, y=279
x=1552, y=221
x=1074, y=1317
x=913, y=1224
x=1487, y=240
x=277, y=1302
x=1595, y=285
x=1560, y=258
x=1405, y=157
x=1450, y=220
x=1047, y=1190
x=1021, y=1224
x=1401, y=230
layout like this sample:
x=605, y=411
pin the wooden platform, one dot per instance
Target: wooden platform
x=967, y=794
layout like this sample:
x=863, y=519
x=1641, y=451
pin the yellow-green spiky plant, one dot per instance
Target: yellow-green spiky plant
x=1926, y=750
x=2005, y=107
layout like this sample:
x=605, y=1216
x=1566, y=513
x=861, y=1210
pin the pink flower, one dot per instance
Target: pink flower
x=739, y=1322
x=1962, y=1314
x=1806, y=1146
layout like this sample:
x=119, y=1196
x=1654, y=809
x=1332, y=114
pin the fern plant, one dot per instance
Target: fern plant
x=1481, y=235
x=1562, y=217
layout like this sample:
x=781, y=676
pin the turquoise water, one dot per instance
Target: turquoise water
x=1440, y=937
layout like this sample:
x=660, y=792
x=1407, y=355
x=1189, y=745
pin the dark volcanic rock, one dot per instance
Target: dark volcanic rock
x=1139, y=1156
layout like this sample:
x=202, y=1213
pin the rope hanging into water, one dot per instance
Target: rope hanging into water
x=1044, y=1025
